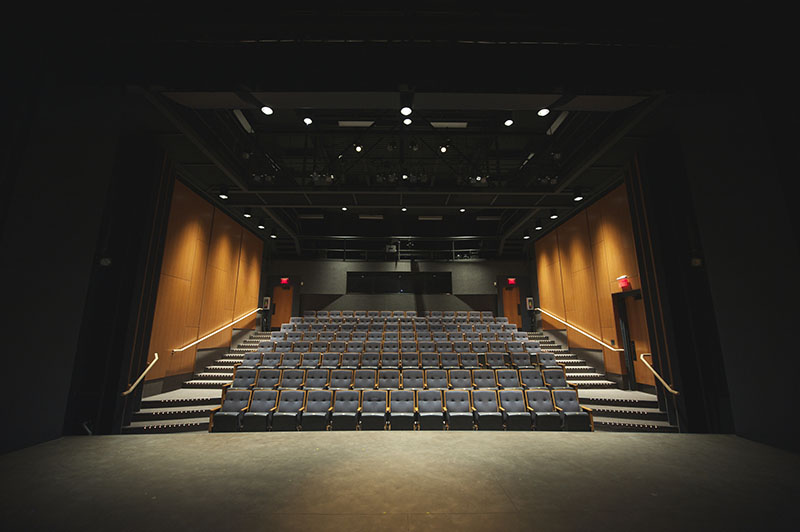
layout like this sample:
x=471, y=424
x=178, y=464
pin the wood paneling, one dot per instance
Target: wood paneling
x=637, y=323
x=511, y=305
x=281, y=304
x=577, y=267
x=204, y=253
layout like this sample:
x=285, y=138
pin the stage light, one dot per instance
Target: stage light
x=307, y=121
x=223, y=193
x=443, y=148
x=267, y=110
x=553, y=214
x=544, y=111
x=344, y=208
x=405, y=177
x=508, y=123
x=359, y=148
x=404, y=209
x=477, y=178
x=407, y=121
x=405, y=111
x=462, y=209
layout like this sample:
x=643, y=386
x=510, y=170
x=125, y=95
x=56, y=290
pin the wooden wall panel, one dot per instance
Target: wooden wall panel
x=548, y=266
x=637, y=322
x=199, y=280
x=248, y=280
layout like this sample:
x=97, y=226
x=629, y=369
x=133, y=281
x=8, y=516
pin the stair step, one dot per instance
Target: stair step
x=623, y=402
x=585, y=376
x=172, y=413
x=180, y=403
x=628, y=412
x=166, y=426
x=612, y=424
x=220, y=368
x=205, y=383
x=595, y=384
x=207, y=375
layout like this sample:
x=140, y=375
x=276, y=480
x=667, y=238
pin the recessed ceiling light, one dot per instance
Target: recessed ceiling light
x=307, y=121
x=223, y=193
x=261, y=225
x=404, y=209
x=273, y=233
x=443, y=148
x=508, y=123
x=526, y=236
x=332, y=177
x=359, y=147
x=405, y=176
x=462, y=209
x=553, y=214
x=247, y=215
x=544, y=111
x=267, y=110
x=538, y=226
x=405, y=111
x=477, y=178
x=578, y=196
x=344, y=208
x=407, y=121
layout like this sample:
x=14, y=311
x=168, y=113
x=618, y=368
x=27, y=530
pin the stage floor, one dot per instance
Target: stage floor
x=400, y=481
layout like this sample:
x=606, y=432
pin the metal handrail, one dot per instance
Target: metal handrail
x=187, y=346
x=586, y=334
x=667, y=386
x=135, y=384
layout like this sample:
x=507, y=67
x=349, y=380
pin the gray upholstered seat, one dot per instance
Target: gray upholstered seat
x=374, y=336
x=555, y=378
x=228, y=416
x=252, y=359
x=408, y=336
x=413, y=379
x=472, y=337
x=402, y=410
x=266, y=345
x=292, y=379
x=372, y=346
x=575, y=416
x=325, y=336
x=271, y=359
x=469, y=360
x=283, y=346
x=258, y=416
x=390, y=360
x=370, y=360
x=458, y=413
x=317, y=410
x=364, y=379
x=497, y=347
x=459, y=378
x=345, y=412
x=391, y=336
x=287, y=414
x=424, y=335
x=484, y=378
x=316, y=378
x=508, y=378
x=514, y=347
x=359, y=313
x=374, y=409
x=408, y=346
x=310, y=360
x=347, y=313
x=495, y=360
x=461, y=347
x=268, y=379
x=290, y=360
x=388, y=379
x=337, y=346
x=449, y=360
x=436, y=379
x=521, y=336
x=531, y=378
x=515, y=411
x=521, y=360
x=319, y=346
x=335, y=313
x=391, y=346
x=480, y=328
x=330, y=360
x=429, y=360
x=504, y=336
x=243, y=378
x=350, y=360
x=355, y=346
x=301, y=347
x=547, y=360
x=426, y=346
x=410, y=360
x=430, y=410
x=540, y=404
x=341, y=379
x=487, y=411
x=440, y=336
x=294, y=336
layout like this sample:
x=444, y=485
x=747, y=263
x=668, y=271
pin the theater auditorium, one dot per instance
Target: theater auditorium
x=398, y=269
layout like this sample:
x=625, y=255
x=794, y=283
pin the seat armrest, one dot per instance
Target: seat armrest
x=215, y=409
x=226, y=385
x=586, y=409
x=500, y=408
x=241, y=410
x=558, y=409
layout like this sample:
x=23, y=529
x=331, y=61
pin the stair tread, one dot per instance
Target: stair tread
x=602, y=409
x=169, y=422
x=175, y=409
x=632, y=422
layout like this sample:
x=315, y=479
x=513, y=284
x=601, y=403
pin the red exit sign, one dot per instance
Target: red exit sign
x=284, y=280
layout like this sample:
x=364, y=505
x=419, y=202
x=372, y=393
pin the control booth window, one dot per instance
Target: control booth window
x=399, y=283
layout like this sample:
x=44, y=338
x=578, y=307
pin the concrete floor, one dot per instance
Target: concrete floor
x=400, y=481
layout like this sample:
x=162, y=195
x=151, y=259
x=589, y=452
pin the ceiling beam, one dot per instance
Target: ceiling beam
x=362, y=207
x=165, y=109
x=585, y=164
x=482, y=191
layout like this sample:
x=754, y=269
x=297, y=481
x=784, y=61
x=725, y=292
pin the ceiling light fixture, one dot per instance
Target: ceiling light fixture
x=405, y=111
x=544, y=111
x=443, y=148
x=407, y=121
x=267, y=110
x=344, y=208
x=273, y=233
x=405, y=176
x=477, y=178
x=578, y=195
x=508, y=123
x=359, y=148
x=247, y=215
x=307, y=121
x=261, y=224
x=404, y=209
x=553, y=214
x=462, y=209
x=223, y=193
x=538, y=226
x=526, y=236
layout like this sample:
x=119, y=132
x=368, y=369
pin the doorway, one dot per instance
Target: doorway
x=633, y=336
x=511, y=305
x=282, y=296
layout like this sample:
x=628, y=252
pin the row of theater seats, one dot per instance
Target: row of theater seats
x=539, y=409
x=376, y=346
x=247, y=378
x=407, y=336
x=408, y=360
x=397, y=326
x=397, y=313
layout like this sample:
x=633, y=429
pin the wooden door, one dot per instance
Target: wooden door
x=511, y=305
x=281, y=305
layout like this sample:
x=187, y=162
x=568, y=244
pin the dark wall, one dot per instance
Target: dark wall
x=53, y=210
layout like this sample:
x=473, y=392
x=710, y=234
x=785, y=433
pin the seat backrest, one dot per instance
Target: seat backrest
x=461, y=347
x=355, y=346
x=316, y=378
x=539, y=400
x=337, y=346
x=271, y=359
x=505, y=336
x=555, y=378
x=430, y=360
x=320, y=346
x=472, y=337
x=364, y=379
x=292, y=378
x=386, y=313
x=532, y=378
x=294, y=336
x=459, y=378
x=268, y=378
x=481, y=327
x=393, y=345
x=424, y=336
x=347, y=313
x=360, y=336
x=521, y=360
x=290, y=400
x=444, y=347
x=426, y=346
x=370, y=360
x=497, y=347
x=372, y=346
x=263, y=401
x=451, y=328
x=413, y=379
x=567, y=400
x=373, y=336
x=514, y=347
x=290, y=360
x=359, y=313
x=457, y=401
x=243, y=378
x=484, y=378
x=266, y=345
x=346, y=401
x=322, y=314
x=495, y=360
x=330, y=360
x=310, y=360
x=390, y=359
x=408, y=345
x=469, y=360
x=508, y=378
x=436, y=379
x=547, y=359
x=520, y=336
x=512, y=400
x=401, y=401
x=301, y=347
x=410, y=360
x=235, y=400
x=374, y=401
x=341, y=378
x=283, y=346
x=388, y=378
x=480, y=346
x=429, y=401
x=449, y=360
x=318, y=400
x=531, y=346
x=408, y=336
x=252, y=359
x=439, y=336
x=485, y=400
x=350, y=360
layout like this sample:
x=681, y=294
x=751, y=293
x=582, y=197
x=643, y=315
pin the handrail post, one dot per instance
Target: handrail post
x=667, y=386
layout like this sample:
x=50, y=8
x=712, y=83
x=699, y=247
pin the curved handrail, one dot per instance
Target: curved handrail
x=135, y=384
x=187, y=346
x=586, y=334
x=667, y=386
